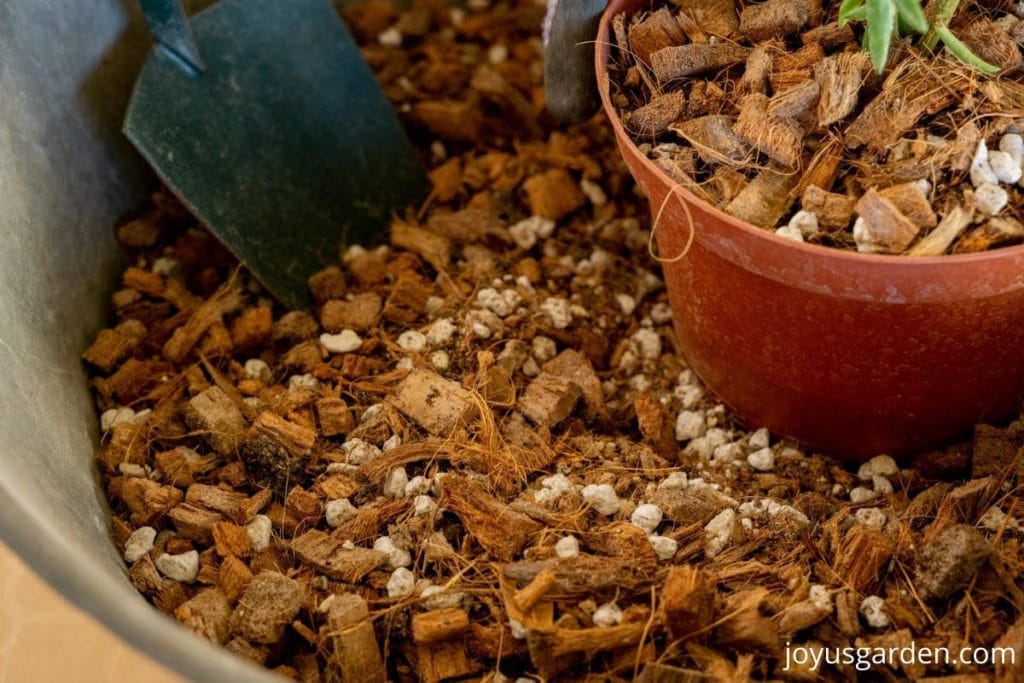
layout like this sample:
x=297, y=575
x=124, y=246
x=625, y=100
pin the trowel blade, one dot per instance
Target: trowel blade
x=286, y=148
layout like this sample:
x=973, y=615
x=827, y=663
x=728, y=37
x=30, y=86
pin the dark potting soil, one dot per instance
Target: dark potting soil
x=479, y=457
x=773, y=113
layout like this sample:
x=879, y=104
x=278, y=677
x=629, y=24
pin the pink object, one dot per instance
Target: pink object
x=851, y=354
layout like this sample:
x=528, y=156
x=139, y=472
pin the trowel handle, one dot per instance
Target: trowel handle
x=570, y=85
x=170, y=28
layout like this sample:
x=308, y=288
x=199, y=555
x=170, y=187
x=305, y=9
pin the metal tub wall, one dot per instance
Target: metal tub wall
x=66, y=174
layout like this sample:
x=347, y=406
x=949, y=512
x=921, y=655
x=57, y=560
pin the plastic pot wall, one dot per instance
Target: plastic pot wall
x=66, y=69
x=852, y=354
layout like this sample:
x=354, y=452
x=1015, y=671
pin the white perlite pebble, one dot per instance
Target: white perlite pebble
x=543, y=348
x=627, y=304
x=718, y=532
x=871, y=609
x=164, y=265
x=417, y=486
x=664, y=547
x=433, y=305
x=1007, y=169
x=557, y=310
x=526, y=232
x=394, y=483
x=759, y=439
x=878, y=466
x=390, y=37
x=255, y=368
x=762, y=460
x=677, y=481
x=608, y=614
x=690, y=424
x=440, y=360
x=259, y=531
x=401, y=583
x=139, y=543
x=130, y=469
x=441, y=331
x=306, y=381
x=530, y=367
x=593, y=192
x=115, y=416
x=396, y=556
x=882, y=485
x=182, y=567
x=501, y=303
x=602, y=497
x=820, y=598
x=339, y=511
x=567, y=547
x=990, y=199
x=423, y=506
x=497, y=53
x=646, y=343
x=1013, y=145
x=806, y=222
x=873, y=518
x=553, y=488
x=790, y=233
x=346, y=341
x=412, y=341
x=436, y=597
x=861, y=495
x=391, y=443
x=981, y=172
x=519, y=631
x=359, y=451
x=647, y=516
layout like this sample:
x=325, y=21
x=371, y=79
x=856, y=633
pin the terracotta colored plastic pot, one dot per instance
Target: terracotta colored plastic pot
x=851, y=354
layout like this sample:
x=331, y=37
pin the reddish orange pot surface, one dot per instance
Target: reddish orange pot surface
x=851, y=354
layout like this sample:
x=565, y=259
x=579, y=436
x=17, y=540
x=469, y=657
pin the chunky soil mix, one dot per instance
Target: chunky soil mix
x=479, y=457
x=773, y=113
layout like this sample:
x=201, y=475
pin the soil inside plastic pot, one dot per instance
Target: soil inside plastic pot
x=773, y=113
x=479, y=457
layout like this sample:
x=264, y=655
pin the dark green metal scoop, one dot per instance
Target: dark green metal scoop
x=262, y=116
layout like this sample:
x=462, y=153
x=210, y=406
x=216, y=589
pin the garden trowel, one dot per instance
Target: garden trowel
x=263, y=118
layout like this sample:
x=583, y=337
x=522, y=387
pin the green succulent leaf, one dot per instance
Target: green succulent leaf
x=851, y=10
x=962, y=52
x=912, y=15
x=881, y=20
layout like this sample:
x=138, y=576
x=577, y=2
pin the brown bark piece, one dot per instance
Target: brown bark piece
x=439, y=625
x=433, y=248
x=294, y=438
x=655, y=426
x=435, y=403
x=356, y=656
x=690, y=505
x=885, y=229
x=408, y=299
x=912, y=203
x=180, y=466
x=266, y=607
x=454, y=120
x=714, y=139
x=231, y=539
x=578, y=369
x=501, y=531
x=829, y=36
x=758, y=69
x=224, y=301
x=549, y=399
x=216, y=415
x=207, y=613
x=952, y=225
x=326, y=284
x=553, y=194
x=369, y=520
x=717, y=17
x=688, y=601
x=706, y=98
x=794, y=103
x=221, y=500
x=251, y=329
x=360, y=313
x=991, y=43
x=994, y=232
x=672, y=63
x=862, y=557
x=147, y=500
x=728, y=182
x=833, y=210
x=335, y=417
x=1009, y=670
x=774, y=19
x=194, y=523
x=529, y=595
x=745, y=627
x=233, y=577
x=658, y=30
x=112, y=346
x=658, y=115
x=442, y=662
x=779, y=139
x=765, y=200
x=840, y=78
x=127, y=444
x=134, y=379
x=792, y=68
x=994, y=451
x=336, y=486
x=326, y=554
x=585, y=573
